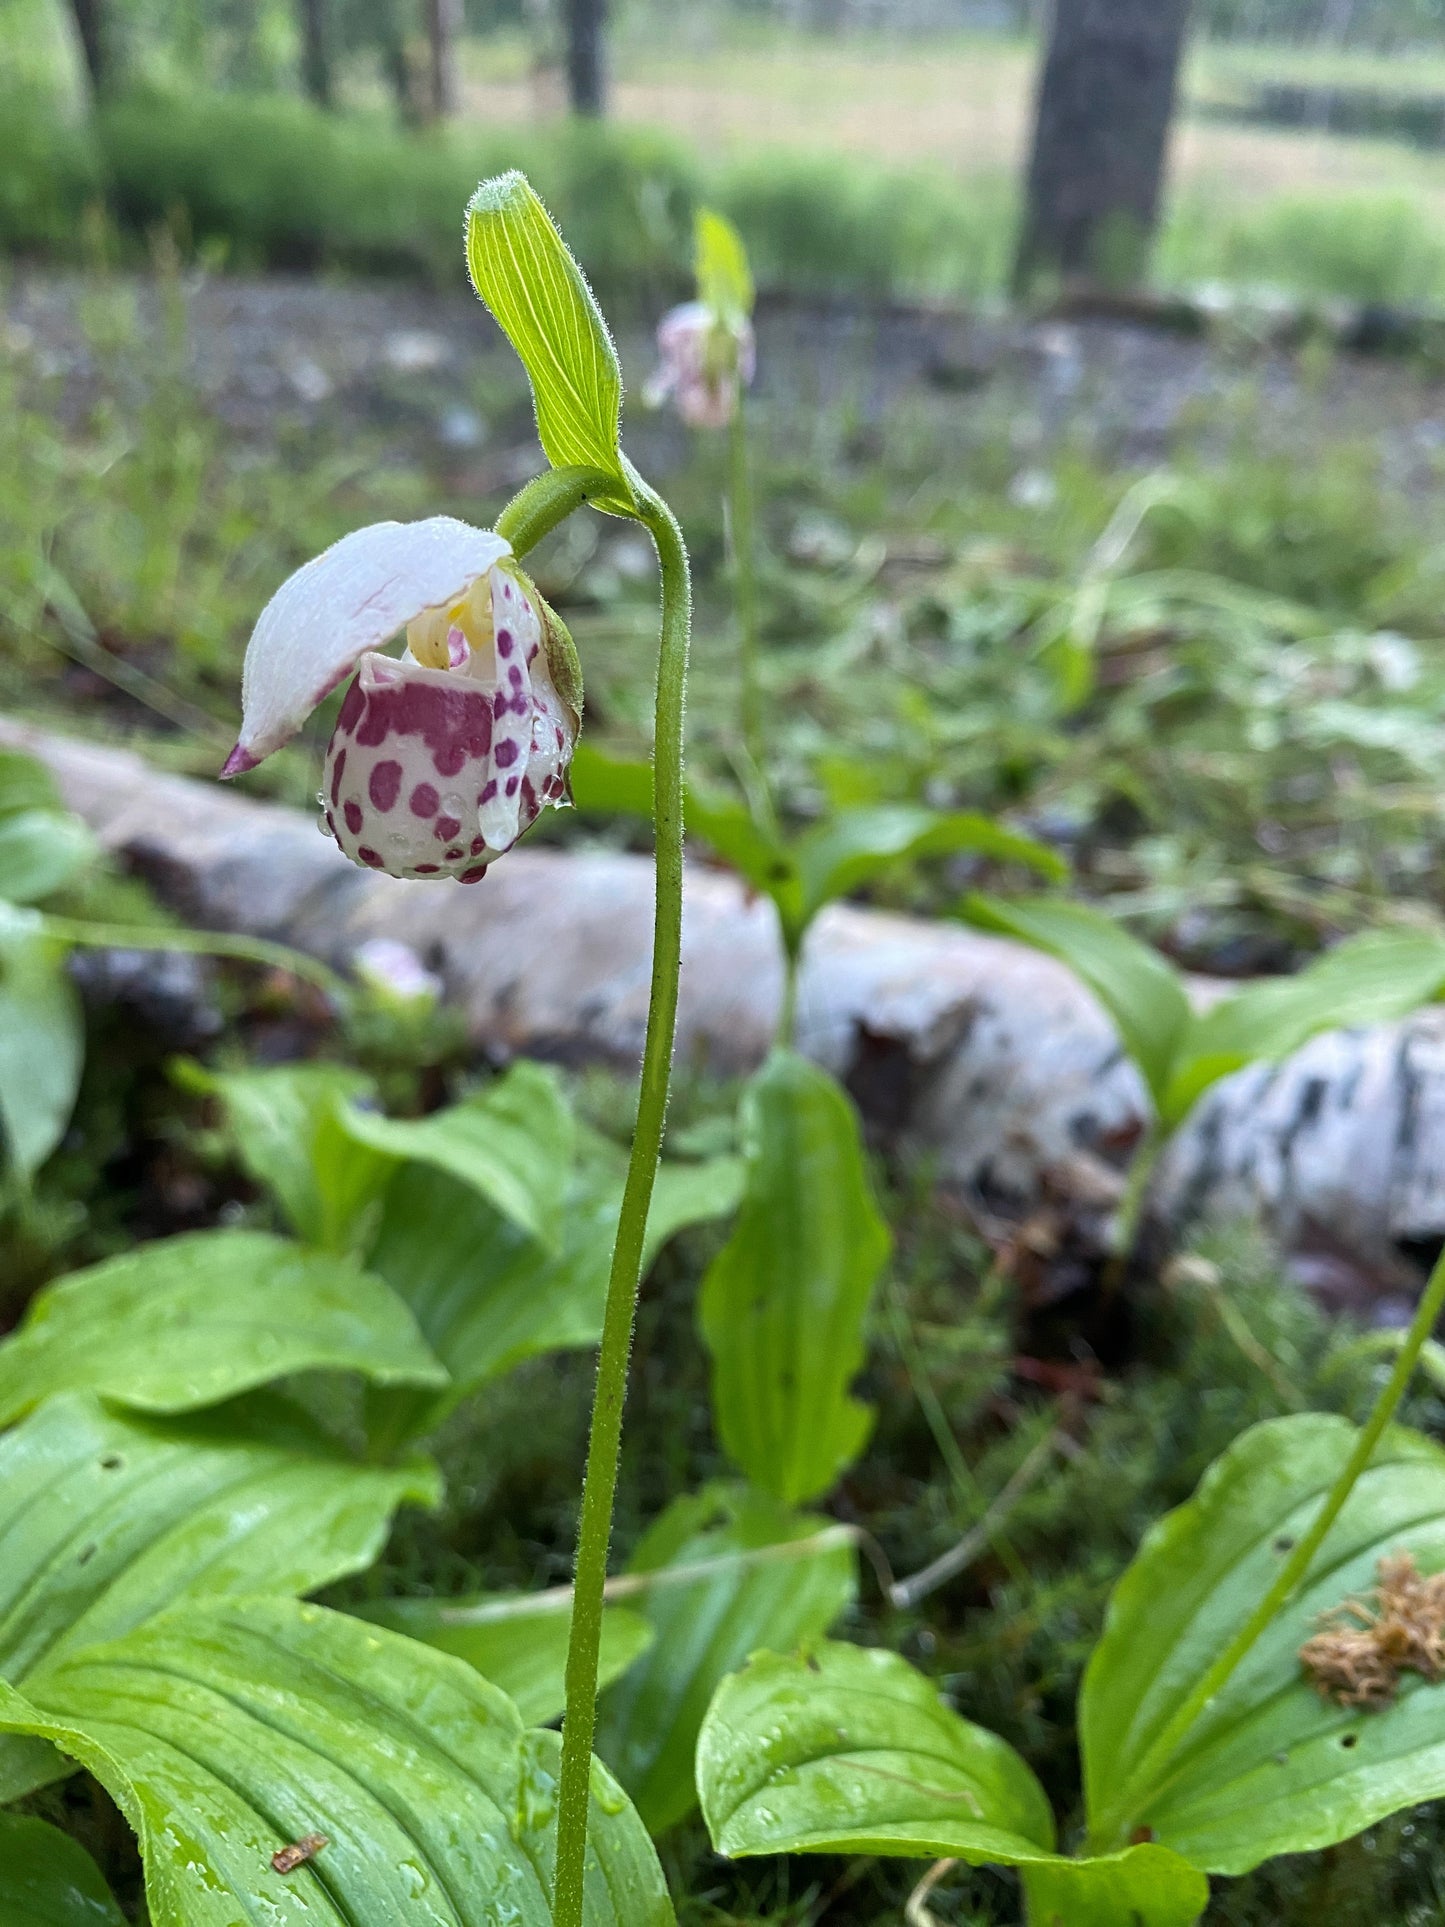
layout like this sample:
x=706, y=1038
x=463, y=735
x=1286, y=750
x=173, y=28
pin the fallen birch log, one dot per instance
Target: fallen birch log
x=986, y=1055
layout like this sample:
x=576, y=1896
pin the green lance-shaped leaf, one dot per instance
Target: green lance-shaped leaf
x=42, y=845
x=720, y=262
x=512, y=1143
x=42, y=1041
x=1141, y=992
x=1269, y=1767
x=190, y=1321
x=516, y=1640
x=784, y=1304
x=853, y=846
x=721, y=1572
x=524, y=271
x=1374, y=978
x=287, y=1123
x=486, y=1295
x=107, y=1518
x=847, y=1750
x=228, y=1731
x=49, y=1880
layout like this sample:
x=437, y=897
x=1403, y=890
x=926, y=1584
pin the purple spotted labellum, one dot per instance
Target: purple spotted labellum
x=703, y=365
x=441, y=757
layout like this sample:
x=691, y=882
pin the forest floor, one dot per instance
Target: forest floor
x=1257, y=768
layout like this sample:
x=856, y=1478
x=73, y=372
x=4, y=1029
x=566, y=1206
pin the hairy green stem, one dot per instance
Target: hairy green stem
x=745, y=586
x=604, y=1444
x=203, y=943
x=1111, y=1829
x=547, y=500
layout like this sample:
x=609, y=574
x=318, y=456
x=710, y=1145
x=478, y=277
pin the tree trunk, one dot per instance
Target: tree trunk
x=316, y=51
x=443, y=29
x=1105, y=101
x=586, y=74
x=91, y=30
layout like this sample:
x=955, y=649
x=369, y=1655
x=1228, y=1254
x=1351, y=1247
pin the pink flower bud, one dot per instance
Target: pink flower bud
x=704, y=365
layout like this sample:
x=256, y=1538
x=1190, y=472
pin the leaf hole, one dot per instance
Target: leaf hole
x=1284, y=1543
x=1349, y=1739
x=112, y=1462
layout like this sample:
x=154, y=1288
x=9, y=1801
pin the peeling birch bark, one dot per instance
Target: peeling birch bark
x=983, y=1054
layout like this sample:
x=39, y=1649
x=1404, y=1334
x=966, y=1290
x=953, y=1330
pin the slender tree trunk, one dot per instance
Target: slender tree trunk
x=1105, y=102
x=316, y=51
x=443, y=29
x=91, y=28
x=586, y=67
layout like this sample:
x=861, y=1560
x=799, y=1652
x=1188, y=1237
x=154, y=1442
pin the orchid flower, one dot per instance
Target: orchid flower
x=705, y=364
x=441, y=756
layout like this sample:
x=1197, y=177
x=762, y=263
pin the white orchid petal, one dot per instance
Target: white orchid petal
x=348, y=600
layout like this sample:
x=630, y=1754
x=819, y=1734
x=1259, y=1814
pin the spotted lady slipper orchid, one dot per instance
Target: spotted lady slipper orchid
x=705, y=364
x=441, y=757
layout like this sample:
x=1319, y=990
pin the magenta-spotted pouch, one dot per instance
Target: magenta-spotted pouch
x=443, y=755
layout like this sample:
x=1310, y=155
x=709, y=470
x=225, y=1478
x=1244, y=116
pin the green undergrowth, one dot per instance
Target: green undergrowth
x=1120, y=1398
x=268, y=181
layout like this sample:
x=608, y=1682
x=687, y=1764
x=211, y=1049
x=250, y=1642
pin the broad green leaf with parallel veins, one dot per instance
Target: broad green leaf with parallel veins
x=41, y=844
x=613, y=786
x=230, y=1730
x=42, y=1042
x=847, y=1750
x=1374, y=978
x=286, y=1121
x=49, y=1880
x=1270, y=1767
x=107, y=1518
x=524, y=271
x=25, y=784
x=487, y=1296
x=853, y=846
x=516, y=1640
x=39, y=851
x=512, y=1143
x=190, y=1321
x=727, y=1571
x=783, y=1305
x=1141, y=991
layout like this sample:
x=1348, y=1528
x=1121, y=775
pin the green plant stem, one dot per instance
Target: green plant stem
x=202, y=943
x=745, y=585
x=788, y=1009
x=604, y=1444
x=1111, y=1830
x=547, y=500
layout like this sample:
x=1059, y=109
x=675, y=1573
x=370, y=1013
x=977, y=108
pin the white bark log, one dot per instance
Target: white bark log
x=987, y=1055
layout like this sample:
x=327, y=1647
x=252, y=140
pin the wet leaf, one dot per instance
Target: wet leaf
x=107, y=1518
x=784, y=1303
x=231, y=1730
x=1271, y=1767
x=732, y=1570
x=190, y=1321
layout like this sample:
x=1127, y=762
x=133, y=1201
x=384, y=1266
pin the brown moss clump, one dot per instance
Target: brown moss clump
x=1357, y=1657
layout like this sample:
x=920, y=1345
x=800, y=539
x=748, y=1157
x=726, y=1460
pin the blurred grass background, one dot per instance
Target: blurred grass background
x=870, y=164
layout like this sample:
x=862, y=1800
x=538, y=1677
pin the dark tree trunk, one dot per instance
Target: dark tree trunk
x=1105, y=101
x=586, y=75
x=443, y=28
x=316, y=51
x=91, y=30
